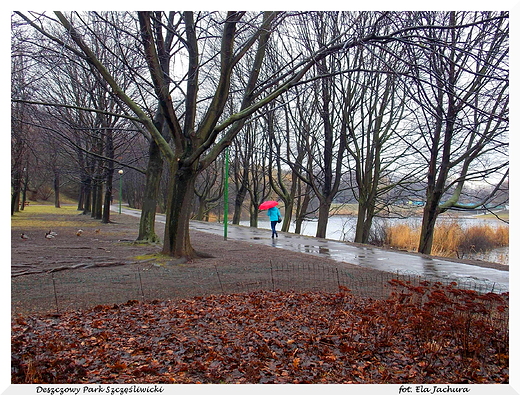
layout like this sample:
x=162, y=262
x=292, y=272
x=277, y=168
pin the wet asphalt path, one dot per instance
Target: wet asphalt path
x=364, y=256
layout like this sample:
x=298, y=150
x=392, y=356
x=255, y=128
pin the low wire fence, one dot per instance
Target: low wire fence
x=56, y=292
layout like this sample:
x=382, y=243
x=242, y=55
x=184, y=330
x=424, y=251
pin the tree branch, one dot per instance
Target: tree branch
x=159, y=139
x=76, y=108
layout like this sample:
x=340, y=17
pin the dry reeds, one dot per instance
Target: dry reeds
x=403, y=236
x=447, y=238
x=450, y=239
x=502, y=236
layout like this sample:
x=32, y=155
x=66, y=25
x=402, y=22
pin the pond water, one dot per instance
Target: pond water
x=343, y=228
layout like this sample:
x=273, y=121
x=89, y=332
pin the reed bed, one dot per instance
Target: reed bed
x=450, y=239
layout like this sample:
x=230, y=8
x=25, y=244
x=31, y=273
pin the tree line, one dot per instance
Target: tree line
x=384, y=107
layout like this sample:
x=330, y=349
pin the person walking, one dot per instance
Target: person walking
x=275, y=216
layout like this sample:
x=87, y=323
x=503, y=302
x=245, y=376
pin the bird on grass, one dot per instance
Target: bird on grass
x=49, y=236
x=52, y=233
x=79, y=232
x=24, y=236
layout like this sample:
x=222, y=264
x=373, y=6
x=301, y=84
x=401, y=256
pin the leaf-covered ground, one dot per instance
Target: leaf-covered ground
x=427, y=334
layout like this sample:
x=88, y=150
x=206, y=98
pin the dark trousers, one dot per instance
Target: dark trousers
x=273, y=228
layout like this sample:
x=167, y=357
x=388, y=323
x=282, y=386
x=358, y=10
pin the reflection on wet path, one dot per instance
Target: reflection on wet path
x=364, y=256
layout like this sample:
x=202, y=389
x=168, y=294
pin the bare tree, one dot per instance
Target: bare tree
x=462, y=101
x=327, y=140
x=373, y=108
x=241, y=167
x=20, y=133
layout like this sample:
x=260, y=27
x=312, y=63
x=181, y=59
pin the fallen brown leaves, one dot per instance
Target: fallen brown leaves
x=427, y=334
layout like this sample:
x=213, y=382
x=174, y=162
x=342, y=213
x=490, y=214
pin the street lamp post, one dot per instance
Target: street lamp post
x=120, y=188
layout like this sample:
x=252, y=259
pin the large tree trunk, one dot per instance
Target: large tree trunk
x=289, y=204
x=177, y=241
x=109, y=178
x=239, y=201
x=108, y=196
x=24, y=190
x=365, y=218
x=323, y=218
x=57, y=189
x=434, y=193
x=360, y=224
x=15, y=197
x=86, y=201
x=97, y=198
x=430, y=215
x=151, y=191
x=98, y=178
x=253, y=216
x=81, y=196
x=368, y=185
x=15, y=202
x=301, y=206
x=202, y=213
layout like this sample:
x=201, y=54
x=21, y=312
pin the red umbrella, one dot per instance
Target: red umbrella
x=268, y=204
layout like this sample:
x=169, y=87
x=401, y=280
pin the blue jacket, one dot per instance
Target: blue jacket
x=274, y=213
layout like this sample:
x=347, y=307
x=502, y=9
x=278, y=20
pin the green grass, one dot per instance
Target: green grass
x=47, y=216
x=504, y=215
